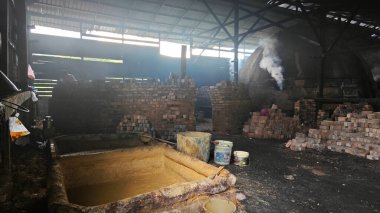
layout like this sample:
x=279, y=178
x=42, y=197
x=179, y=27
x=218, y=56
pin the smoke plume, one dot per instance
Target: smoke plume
x=271, y=61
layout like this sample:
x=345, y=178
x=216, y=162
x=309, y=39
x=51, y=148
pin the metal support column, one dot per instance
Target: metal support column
x=326, y=50
x=22, y=44
x=5, y=148
x=322, y=41
x=4, y=29
x=248, y=15
x=321, y=82
x=236, y=41
x=183, y=61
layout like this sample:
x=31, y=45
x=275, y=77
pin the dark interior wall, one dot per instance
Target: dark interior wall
x=138, y=61
x=131, y=106
x=301, y=62
x=347, y=59
x=293, y=50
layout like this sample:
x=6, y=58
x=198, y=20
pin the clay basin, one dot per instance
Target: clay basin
x=140, y=179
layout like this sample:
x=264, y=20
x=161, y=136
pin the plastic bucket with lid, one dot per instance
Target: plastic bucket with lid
x=241, y=158
x=218, y=205
x=222, y=153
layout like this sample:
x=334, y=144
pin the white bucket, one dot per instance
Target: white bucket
x=241, y=158
x=222, y=153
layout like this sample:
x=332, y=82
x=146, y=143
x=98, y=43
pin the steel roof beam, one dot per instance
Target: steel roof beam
x=283, y=27
x=250, y=29
x=217, y=32
x=255, y=30
x=344, y=29
x=249, y=15
x=183, y=15
x=236, y=42
x=217, y=19
x=311, y=24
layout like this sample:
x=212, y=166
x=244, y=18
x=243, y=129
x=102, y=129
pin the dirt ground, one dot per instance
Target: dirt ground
x=323, y=182
x=29, y=172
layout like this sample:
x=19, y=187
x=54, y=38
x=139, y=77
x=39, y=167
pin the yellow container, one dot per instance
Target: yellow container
x=195, y=144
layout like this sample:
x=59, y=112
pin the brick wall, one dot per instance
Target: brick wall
x=131, y=106
x=230, y=107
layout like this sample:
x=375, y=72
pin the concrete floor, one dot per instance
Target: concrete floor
x=323, y=182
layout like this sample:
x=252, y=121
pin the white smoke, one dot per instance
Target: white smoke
x=271, y=61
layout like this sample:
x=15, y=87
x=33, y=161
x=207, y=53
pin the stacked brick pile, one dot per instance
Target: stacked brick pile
x=356, y=134
x=343, y=109
x=129, y=106
x=271, y=124
x=230, y=106
x=321, y=116
x=301, y=142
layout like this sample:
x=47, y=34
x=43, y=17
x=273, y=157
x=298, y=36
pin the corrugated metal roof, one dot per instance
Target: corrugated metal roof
x=175, y=19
